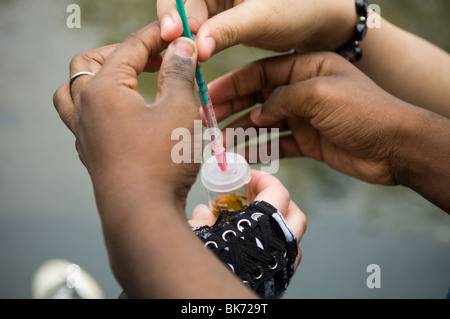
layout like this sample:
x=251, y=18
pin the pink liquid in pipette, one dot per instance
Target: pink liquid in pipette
x=215, y=133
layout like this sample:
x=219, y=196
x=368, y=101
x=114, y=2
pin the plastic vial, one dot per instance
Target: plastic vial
x=226, y=189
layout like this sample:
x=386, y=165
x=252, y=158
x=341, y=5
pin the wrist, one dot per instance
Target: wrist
x=339, y=25
x=351, y=49
x=120, y=192
x=421, y=157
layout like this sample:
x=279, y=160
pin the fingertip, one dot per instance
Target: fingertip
x=171, y=27
x=184, y=48
x=201, y=210
x=296, y=219
x=206, y=47
x=202, y=216
x=255, y=114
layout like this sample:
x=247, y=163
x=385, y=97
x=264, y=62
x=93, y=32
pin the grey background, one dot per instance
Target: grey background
x=47, y=208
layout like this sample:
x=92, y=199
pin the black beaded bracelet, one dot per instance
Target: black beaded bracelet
x=352, y=50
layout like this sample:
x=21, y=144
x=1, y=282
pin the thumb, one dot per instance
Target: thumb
x=202, y=216
x=241, y=24
x=176, y=76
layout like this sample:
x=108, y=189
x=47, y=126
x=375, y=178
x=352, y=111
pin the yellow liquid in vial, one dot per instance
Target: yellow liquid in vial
x=232, y=202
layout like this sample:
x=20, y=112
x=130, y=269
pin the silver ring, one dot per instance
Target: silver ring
x=75, y=76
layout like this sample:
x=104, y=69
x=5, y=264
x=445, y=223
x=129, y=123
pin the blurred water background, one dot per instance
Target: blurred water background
x=47, y=208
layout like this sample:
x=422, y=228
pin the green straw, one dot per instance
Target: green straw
x=198, y=72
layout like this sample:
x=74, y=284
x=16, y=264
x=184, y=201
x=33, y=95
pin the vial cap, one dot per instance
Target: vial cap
x=236, y=175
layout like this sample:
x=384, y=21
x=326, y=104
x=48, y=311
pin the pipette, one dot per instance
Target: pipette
x=208, y=110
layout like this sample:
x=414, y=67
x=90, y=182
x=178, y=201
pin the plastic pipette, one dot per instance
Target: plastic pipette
x=205, y=100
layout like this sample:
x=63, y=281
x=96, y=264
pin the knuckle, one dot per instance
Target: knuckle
x=77, y=60
x=318, y=88
x=151, y=45
x=302, y=219
x=284, y=194
x=180, y=69
x=229, y=34
x=57, y=97
x=318, y=91
x=87, y=92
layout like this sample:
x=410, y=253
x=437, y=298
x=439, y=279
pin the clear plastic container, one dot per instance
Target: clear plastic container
x=226, y=190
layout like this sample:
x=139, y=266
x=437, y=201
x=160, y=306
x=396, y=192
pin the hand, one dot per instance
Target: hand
x=276, y=25
x=122, y=140
x=336, y=114
x=126, y=146
x=269, y=189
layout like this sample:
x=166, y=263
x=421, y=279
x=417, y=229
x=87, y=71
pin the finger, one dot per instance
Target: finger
x=176, y=78
x=64, y=106
x=251, y=78
x=238, y=105
x=272, y=150
x=123, y=66
x=266, y=144
x=298, y=259
x=240, y=24
x=303, y=139
x=274, y=77
x=296, y=220
x=301, y=99
x=242, y=130
x=93, y=60
x=249, y=85
x=89, y=61
x=202, y=216
x=268, y=188
x=171, y=25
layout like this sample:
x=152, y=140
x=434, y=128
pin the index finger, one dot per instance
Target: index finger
x=171, y=25
x=269, y=189
x=124, y=65
x=242, y=88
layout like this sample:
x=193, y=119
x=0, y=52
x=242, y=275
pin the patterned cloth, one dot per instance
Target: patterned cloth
x=257, y=245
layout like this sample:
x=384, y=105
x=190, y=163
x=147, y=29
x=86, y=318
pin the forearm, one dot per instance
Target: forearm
x=422, y=157
x=408, y=67
x=152, y=250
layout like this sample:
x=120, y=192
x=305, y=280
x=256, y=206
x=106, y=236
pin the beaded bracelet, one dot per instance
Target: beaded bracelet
x=352, y=50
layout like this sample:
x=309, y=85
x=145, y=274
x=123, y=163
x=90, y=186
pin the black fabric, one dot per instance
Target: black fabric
x=257, y=245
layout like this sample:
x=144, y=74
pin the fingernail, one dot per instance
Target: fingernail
x=256, y=113
x=184, y=49
x=211, y=44
x=166, y=22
